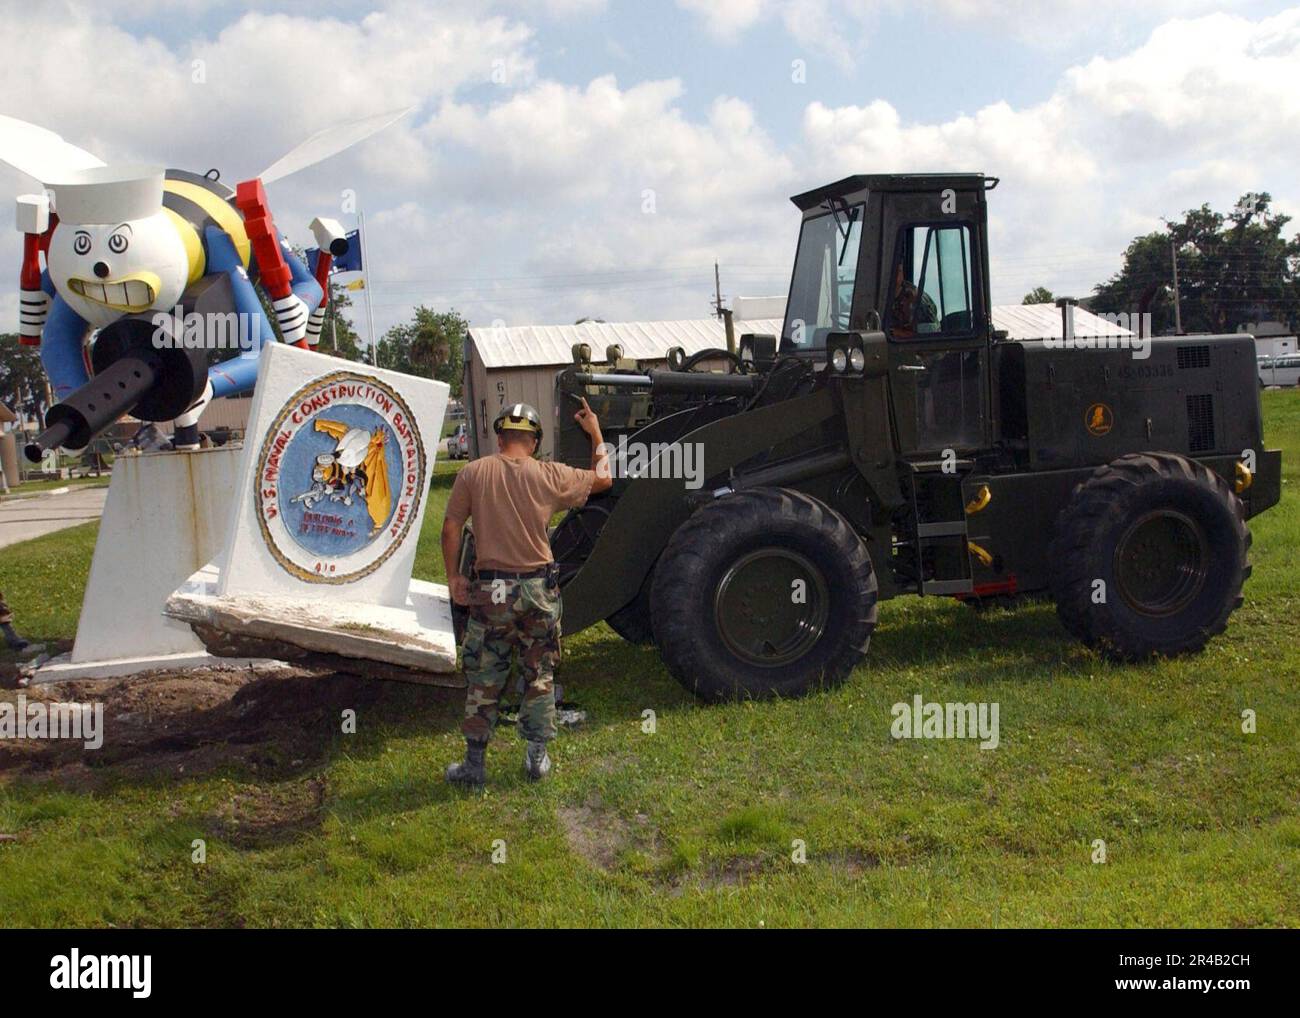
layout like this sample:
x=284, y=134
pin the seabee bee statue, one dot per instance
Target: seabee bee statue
x=128, y=244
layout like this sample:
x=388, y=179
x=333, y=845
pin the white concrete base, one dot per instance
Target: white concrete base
x=416, y=637
x=63, y=669
x=166, y=514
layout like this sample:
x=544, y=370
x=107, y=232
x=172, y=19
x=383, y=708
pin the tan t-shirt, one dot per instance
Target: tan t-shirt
x=511, y=502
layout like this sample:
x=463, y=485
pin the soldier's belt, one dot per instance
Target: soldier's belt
x=497, y=574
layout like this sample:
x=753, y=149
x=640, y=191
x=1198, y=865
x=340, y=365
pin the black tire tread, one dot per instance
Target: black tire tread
x=1090, y=502
x=676, y=625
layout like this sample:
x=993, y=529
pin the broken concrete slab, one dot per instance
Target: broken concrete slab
x=414, y=642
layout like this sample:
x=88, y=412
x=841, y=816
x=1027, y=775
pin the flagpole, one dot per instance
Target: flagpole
x=333, y=316
x=365, y=279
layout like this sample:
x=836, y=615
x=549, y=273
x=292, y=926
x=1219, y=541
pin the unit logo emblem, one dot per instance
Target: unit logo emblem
x=1098, y=419
x=340, y=476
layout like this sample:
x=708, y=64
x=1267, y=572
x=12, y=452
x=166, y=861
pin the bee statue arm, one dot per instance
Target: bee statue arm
x=285, y=279
x=331, y=243
x=33, y=222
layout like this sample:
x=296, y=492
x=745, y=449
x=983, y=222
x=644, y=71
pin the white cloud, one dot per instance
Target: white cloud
x=526, y=200
x=843, y=29
x=726, y=18
x=1202, y=111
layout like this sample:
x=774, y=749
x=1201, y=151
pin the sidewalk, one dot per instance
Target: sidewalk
x=21, y=519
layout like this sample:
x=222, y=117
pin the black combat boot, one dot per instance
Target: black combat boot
x=12, y=640
x=537, y=764
x=471, y=771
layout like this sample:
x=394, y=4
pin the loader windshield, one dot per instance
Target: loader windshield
x=825, y=266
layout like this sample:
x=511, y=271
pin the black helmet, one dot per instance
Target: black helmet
x=519, y=417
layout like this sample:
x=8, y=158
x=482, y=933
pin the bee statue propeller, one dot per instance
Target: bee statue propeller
x=132, y=255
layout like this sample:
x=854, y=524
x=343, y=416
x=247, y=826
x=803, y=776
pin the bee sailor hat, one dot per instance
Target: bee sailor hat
x=108, y=194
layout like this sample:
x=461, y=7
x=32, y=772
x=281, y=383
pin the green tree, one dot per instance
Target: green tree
x=1232, y=269
x=22, y=378
x=430, y=345
x=1039, y=295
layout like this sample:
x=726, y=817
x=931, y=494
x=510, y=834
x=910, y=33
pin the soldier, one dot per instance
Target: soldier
x=12, y=640
x=513, y=596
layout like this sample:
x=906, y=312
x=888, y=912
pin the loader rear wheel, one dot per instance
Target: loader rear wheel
x=1152, y=554
x=766, y=592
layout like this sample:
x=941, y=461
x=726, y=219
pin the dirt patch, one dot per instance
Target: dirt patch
x=851, y=863
x=596, y=835
x=263, y=816
x=600, y=835
x=275, y=723
x=739, y=870
x=730, y=872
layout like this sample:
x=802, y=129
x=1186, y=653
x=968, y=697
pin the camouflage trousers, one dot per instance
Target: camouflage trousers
x=506, y=616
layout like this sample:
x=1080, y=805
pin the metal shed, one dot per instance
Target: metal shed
x=518, y=364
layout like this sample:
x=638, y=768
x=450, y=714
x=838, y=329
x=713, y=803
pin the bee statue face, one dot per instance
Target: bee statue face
x=115, y=250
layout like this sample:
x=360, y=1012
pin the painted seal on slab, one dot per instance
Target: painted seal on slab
x=340, y=476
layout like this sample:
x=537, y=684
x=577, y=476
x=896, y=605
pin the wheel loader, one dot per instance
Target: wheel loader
x=890, y=441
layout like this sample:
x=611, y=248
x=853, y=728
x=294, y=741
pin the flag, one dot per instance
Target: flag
x=356, y=284
x=349, y=261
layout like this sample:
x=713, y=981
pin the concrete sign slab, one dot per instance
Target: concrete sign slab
x=331, y=496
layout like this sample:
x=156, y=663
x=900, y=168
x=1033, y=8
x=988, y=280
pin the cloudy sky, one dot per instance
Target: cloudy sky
x=594, y=157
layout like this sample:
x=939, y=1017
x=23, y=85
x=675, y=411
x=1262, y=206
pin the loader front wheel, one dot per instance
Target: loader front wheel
x=632, y=621
x=766, y=592
x=1152, y=555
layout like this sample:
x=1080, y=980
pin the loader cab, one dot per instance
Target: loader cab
x=905, y=255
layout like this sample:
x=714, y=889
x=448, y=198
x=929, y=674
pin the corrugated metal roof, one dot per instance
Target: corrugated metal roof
x=538, y=345
x=541, y=345
x=1043, y=321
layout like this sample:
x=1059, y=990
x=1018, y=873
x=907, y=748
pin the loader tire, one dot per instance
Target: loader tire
x=632, y=621
x=1151, y=555
x=766, y=592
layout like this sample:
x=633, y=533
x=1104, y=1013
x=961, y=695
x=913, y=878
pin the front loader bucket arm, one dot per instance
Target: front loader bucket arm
x=650, y=509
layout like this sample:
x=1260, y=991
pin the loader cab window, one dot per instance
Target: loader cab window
x=931, y=293
x=825, y=269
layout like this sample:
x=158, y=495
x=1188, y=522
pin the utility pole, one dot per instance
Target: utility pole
x=717, y=292
x=1178, y=315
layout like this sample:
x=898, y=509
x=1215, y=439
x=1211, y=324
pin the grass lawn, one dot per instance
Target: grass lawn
x=36, y=487
x=695, y=823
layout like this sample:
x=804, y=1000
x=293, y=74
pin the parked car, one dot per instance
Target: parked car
x=1284, y=370
x=458, y=443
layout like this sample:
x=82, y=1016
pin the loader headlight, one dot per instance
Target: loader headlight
x=846, y=353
